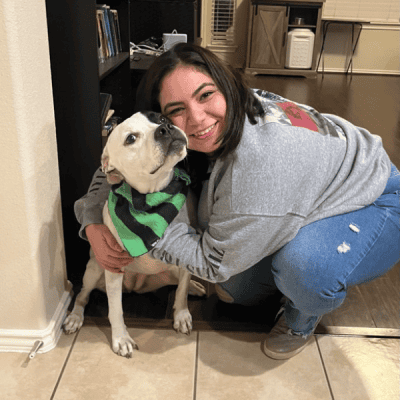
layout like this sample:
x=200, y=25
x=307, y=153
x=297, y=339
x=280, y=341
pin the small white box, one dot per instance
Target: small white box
x=169, y=39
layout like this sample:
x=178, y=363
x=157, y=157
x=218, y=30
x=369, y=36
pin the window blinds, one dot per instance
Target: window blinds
x=383, y=11
x=223, y=18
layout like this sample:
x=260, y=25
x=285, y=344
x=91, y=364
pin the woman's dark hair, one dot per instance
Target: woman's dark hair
x=240, y=100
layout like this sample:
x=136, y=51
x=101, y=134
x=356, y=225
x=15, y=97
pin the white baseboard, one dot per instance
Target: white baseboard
x=359, y=71
x=22, y=340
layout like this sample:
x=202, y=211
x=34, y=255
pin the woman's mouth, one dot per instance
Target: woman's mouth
x=206, y=133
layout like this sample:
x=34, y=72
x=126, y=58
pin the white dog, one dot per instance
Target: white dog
x=142, y=151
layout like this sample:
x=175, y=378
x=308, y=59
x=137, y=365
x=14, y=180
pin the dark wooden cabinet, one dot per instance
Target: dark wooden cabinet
x=270, y=22
x=78, y=79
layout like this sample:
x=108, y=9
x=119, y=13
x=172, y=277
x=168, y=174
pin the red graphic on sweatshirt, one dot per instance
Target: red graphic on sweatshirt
x=297, y=116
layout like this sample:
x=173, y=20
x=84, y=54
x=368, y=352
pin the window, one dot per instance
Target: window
x=223, y=22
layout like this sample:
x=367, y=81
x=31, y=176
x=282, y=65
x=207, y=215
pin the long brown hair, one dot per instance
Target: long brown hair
x=240, y=100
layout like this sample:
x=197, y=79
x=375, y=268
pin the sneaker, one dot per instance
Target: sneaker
x=282, y=344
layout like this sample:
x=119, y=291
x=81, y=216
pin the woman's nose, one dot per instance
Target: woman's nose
x=195, y=114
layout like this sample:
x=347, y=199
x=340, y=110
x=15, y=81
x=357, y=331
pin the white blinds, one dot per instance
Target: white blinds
x=383, y=11
x=223, y=20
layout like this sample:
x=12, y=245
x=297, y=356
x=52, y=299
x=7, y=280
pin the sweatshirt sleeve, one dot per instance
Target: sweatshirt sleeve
x=231, y=244
x=89, y=208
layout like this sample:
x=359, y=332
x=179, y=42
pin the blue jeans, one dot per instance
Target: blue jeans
x=315, y=269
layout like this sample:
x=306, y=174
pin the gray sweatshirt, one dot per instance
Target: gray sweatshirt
x=294, y=167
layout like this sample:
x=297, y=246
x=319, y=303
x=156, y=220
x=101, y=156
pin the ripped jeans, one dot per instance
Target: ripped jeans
x=315, y=269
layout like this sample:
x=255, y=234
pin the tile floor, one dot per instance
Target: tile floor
x=202, y=366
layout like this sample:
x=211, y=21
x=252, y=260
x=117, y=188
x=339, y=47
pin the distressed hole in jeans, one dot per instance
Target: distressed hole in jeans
x=343, y=248
x=354, y=228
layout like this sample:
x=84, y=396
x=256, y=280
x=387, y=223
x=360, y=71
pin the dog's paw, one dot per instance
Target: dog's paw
x=196, y=288
x=72, y=323
x=124, y=345
x=183, y=321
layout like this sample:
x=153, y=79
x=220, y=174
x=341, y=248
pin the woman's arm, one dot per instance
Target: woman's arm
x=89, y=213
x=89, y=208
x=231, y=244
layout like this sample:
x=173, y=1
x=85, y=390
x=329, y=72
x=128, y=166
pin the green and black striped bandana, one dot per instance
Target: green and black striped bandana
x=141, y=219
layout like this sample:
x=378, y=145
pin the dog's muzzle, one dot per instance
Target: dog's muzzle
x=166, y=133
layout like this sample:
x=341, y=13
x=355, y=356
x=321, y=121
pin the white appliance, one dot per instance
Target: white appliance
x=300, y=48
x=169, y=39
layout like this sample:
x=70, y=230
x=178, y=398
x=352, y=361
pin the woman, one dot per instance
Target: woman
x=297, y=201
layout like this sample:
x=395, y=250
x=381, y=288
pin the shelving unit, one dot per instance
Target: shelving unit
x=270, y=21
x=78, y=79
x=111, y=64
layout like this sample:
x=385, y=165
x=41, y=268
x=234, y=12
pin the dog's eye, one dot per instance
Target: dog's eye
x=163, y=120
x=130, y=139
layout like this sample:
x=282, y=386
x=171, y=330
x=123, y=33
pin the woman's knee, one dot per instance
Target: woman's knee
x=305, y=283
x=318, y=299
x=223, y=294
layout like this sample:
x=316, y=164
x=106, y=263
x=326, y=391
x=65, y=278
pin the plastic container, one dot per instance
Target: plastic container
x=300, y=48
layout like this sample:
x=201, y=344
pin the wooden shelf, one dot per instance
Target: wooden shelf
x=111, y=64
x=302, y=26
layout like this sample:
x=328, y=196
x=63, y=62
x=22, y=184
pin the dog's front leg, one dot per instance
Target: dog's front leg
x=93, y=274
x=182, y=316
x=122, y=343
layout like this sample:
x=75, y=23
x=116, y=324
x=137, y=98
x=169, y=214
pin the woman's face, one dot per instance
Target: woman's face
x=192, y=101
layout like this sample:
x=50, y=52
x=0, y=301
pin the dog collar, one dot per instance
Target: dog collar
x=141, y=219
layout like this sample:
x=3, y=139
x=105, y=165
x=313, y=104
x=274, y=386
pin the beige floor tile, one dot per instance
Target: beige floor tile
x=35, y=379
x=362, y=368
x=232, y=366
x=163, y=368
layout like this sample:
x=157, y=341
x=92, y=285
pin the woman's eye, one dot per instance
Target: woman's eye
x=130, y=139
x=205, y=95
x=175, y=111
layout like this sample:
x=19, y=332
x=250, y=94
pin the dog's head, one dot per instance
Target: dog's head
x=143, y=151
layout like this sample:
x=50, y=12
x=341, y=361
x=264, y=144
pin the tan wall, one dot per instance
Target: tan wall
x=378, y=50
x=32, y=262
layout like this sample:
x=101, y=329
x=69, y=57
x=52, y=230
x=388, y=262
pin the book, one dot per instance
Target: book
x=109, y=35
x=107, y=29
x=101, y=37
x=117, y=30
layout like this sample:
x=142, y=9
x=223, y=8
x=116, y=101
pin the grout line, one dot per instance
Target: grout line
x=64, y=366
x=325, y=371
x=196, y=366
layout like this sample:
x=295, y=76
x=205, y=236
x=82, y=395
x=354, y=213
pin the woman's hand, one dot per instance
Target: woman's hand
x=109, y=254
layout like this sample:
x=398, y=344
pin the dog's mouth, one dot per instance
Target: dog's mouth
x=153, y=172
x=174, y=149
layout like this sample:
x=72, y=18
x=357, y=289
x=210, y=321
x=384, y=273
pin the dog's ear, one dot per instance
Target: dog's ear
x=112, y=174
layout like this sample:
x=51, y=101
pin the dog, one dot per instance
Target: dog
x=142, y=151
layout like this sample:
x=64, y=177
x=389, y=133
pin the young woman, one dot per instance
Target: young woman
x=295, y=200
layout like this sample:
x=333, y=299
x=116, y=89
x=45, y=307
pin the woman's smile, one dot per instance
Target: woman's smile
x=204, y=134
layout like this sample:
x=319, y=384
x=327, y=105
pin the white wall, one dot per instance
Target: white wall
x=34, y=290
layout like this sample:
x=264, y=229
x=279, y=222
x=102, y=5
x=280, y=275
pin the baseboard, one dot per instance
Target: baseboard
x=359, y=71
x=22, y=340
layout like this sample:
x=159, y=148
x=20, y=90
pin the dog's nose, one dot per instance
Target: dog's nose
x=163, y=132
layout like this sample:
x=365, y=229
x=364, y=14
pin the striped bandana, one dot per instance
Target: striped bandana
x=141, y=219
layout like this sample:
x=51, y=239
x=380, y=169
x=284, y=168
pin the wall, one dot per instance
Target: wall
x=378, y=50
x=34, y=291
